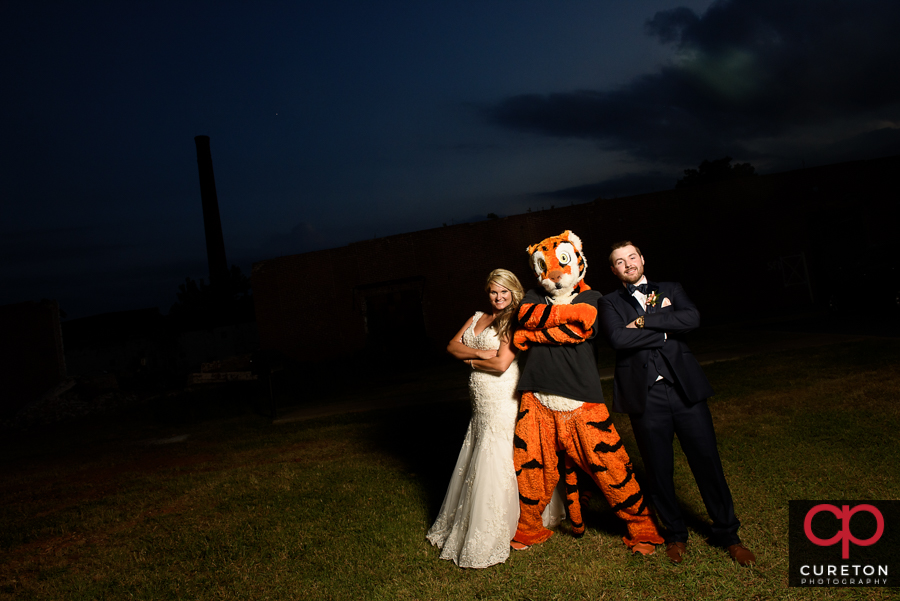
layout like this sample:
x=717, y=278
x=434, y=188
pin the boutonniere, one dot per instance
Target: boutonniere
x=653, y=298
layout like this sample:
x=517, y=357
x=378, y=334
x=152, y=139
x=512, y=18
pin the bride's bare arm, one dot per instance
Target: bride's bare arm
x=500, y=362
x=459, y=350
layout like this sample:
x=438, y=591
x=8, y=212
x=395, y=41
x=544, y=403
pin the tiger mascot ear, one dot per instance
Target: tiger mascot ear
x=567, y=235
x=575, y=240
x=559, y=264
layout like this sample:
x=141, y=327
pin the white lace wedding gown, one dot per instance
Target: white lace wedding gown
x=480, y=511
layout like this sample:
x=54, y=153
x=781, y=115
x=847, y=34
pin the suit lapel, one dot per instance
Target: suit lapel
x=632, y=301
x=651, y=288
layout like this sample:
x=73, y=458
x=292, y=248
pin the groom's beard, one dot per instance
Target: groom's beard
x=634, y=278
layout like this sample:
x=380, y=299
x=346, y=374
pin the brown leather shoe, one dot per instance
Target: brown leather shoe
x=675, y=552
x=741, y=554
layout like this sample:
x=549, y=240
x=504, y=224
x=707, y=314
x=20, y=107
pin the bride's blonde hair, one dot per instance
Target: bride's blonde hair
x=503, y=323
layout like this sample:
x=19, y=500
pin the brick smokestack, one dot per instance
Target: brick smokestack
x=215, y=243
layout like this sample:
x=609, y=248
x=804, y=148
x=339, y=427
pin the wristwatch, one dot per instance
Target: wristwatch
x=639, y=322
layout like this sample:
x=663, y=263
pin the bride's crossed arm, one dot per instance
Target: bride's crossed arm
x=459, y=350
x=497, y=361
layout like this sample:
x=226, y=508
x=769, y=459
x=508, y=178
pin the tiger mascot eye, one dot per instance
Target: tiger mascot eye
x=562, y=421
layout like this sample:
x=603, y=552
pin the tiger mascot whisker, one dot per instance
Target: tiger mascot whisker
x=562, y=421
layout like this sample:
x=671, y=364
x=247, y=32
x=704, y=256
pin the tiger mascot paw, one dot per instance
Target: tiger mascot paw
x=563, y=334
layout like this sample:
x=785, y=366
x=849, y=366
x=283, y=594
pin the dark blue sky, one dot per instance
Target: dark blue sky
x=336, y=121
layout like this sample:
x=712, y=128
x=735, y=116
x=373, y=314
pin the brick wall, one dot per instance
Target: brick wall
x=725, y=242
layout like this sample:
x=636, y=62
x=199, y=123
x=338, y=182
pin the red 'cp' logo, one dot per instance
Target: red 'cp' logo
x=845, y=536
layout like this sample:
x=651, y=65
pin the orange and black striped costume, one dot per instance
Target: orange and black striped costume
x=565, y=431
x=546, y=440
x=554, y=324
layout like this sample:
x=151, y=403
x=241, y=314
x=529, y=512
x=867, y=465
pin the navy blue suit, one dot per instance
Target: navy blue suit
x=675, y=405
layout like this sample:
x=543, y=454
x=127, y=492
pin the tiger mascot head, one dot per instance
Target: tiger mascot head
x=559, y=265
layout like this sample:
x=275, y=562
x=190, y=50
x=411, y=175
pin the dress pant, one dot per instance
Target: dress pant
x=667, y=414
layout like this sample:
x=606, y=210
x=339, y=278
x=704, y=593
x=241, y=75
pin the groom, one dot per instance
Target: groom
x=662, y=388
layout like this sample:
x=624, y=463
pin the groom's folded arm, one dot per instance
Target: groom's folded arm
x=683, y=318
x=624, y=338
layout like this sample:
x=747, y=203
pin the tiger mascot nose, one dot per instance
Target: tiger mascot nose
x=555, y=275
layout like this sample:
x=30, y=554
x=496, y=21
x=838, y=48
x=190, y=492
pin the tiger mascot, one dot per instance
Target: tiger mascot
x=562, y=421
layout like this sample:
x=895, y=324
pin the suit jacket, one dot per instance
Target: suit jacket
x=636, y=348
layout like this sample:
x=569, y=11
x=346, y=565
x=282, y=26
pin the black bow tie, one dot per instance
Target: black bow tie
x=641, y=288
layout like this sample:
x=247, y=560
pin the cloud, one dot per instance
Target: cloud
x=867, y=145
x=307, y=237
x=626, y=185
x=474, y=147
x=303, y=237
x=669, y=25
x=747, y=73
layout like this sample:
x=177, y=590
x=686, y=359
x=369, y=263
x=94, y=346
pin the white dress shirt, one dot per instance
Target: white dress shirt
x=642, y=299
x=637, y=294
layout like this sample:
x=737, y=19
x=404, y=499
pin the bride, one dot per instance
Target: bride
x=480, y=511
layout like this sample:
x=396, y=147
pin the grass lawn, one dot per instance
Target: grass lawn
x=337, y=508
